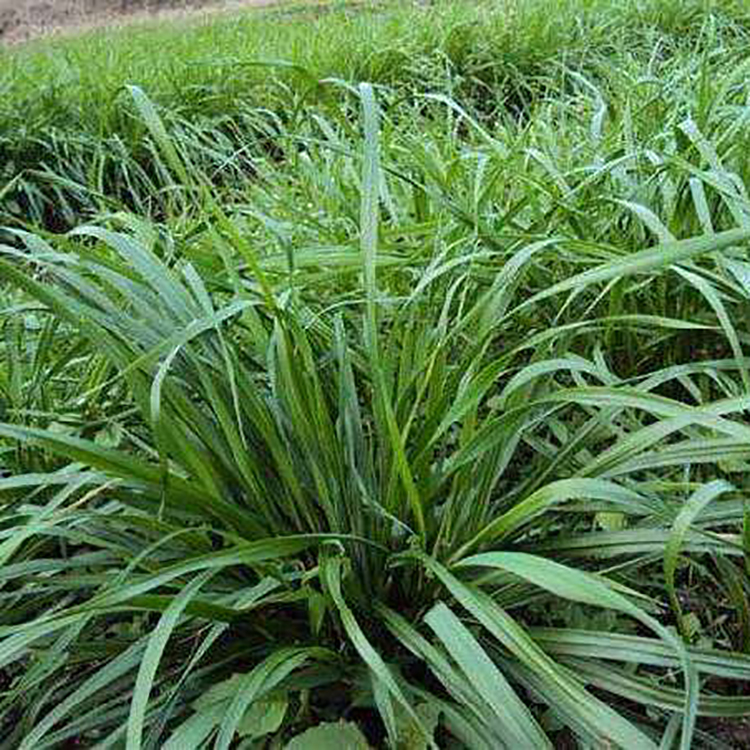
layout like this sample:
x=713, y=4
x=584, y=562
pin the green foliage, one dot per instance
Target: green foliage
x=329, y=737
x=236, y=94
x=429, y=432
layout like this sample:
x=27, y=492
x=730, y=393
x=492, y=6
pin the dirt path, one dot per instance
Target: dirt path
x=21, y=20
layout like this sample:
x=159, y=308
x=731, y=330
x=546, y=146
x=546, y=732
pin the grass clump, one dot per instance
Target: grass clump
x=404, y=412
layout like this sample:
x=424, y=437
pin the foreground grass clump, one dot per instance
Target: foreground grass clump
x=427, y=431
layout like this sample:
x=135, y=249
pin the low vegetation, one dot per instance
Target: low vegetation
x=376, y=377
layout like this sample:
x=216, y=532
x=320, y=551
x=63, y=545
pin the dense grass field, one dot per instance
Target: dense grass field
x=378, y=376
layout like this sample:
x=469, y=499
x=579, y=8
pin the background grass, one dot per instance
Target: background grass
x=234, y=87
x=420, y=331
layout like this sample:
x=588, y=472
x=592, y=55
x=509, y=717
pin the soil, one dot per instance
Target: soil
x=21, y=20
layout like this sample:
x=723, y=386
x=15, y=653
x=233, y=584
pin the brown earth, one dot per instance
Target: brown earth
x=21, y=20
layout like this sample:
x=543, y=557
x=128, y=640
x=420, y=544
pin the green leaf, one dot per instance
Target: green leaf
x=157, y=643
x=109, y=673
x=259, y=682
x=691, y=510
x=411, y=735
x=511, y=719
x=331, y=736
x=155, y=125
x=331, y=578
x=582, y=587
x=644, y=261
x=557, y=685
x=264, y=717
x=633, y=649
x=549, y=496
x=193, y=732
x=221, y=692
x=369, y=218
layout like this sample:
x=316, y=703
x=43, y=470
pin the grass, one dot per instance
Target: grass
x=383, y=394
x=222, y=85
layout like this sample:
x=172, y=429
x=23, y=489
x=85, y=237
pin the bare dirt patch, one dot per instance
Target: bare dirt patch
x=21, y=20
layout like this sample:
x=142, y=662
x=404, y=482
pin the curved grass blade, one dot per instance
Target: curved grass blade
x=691, y=510
x=512, y=720
x=157, y=642
x=578, y=586
x=559, y=686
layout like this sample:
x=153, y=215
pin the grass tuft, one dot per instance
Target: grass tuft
x=389, y=393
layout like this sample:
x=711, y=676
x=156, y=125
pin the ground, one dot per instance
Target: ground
x=21, y=20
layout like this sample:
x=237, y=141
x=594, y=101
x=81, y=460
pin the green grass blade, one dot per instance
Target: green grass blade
x=514, y=722
x=157, y=643
x=685, y=518
x=579, y=586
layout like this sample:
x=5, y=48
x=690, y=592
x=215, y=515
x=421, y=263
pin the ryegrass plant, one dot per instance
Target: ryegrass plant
x=430, y=418
x=232, y=90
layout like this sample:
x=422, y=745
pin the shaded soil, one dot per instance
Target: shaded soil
x=21, y=20
x=734, y=732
